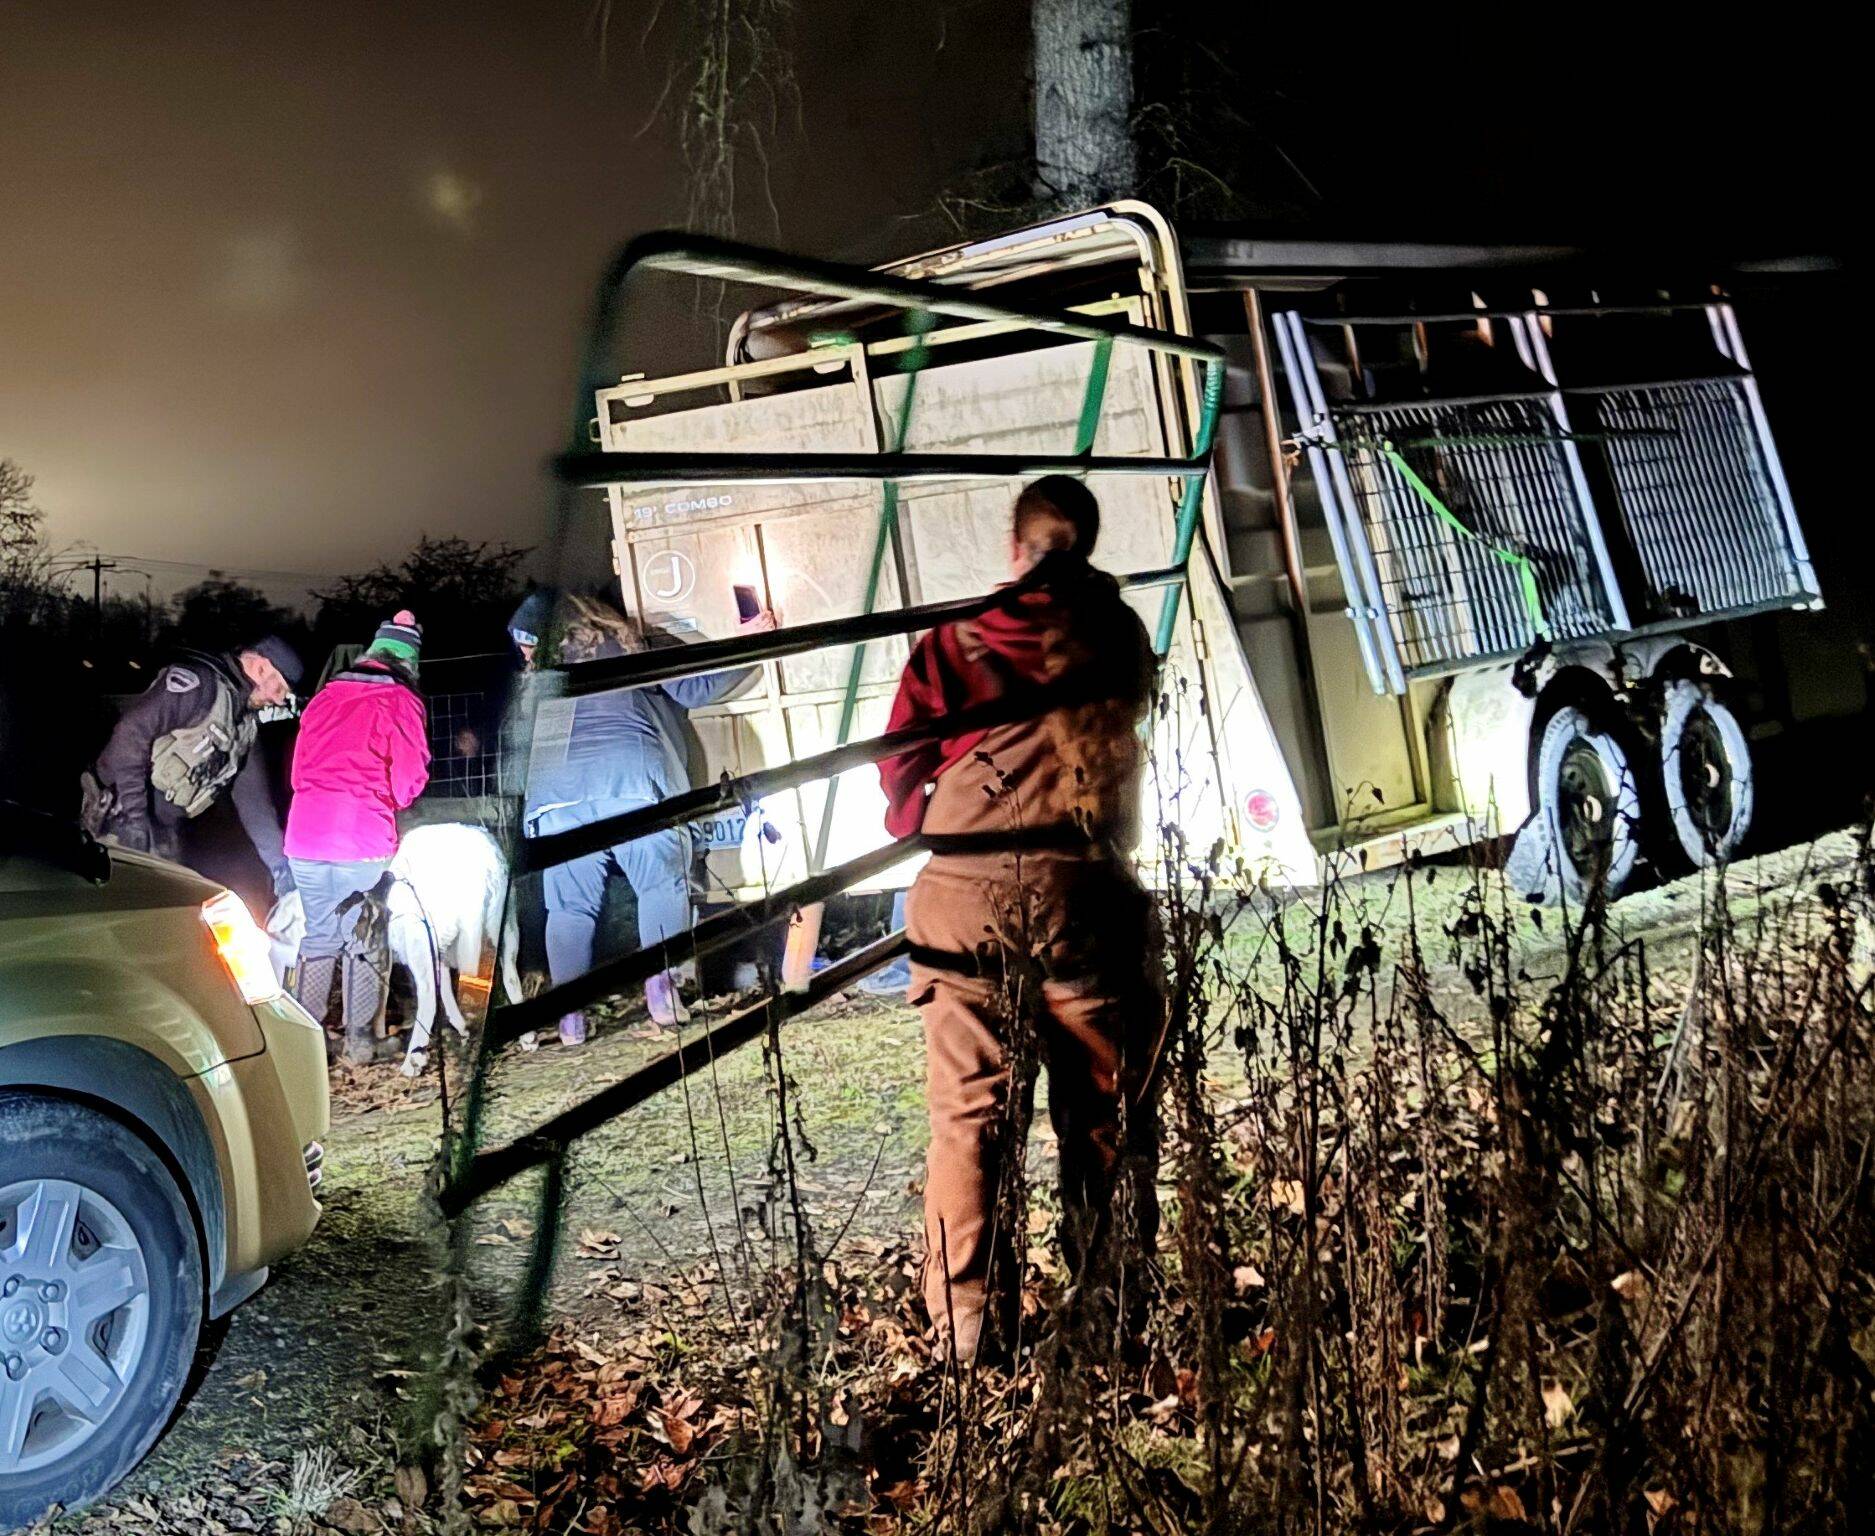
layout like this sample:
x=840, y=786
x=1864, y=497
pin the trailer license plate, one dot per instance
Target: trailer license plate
x=722, y=831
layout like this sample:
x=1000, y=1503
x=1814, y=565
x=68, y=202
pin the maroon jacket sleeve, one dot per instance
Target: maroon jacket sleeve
x=920, y=698
x=408, y=747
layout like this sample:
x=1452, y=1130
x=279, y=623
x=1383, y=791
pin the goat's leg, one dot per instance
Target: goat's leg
x=452, y=1009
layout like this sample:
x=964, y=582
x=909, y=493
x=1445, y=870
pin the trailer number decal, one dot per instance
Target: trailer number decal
x=722, y=831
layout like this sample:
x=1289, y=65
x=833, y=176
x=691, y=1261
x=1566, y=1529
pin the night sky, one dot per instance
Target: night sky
x=282, y=285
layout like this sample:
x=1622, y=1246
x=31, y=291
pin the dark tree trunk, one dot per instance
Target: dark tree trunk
x=1083, y=101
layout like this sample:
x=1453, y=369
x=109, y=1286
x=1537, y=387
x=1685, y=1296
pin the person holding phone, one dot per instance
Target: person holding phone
x=613, y=753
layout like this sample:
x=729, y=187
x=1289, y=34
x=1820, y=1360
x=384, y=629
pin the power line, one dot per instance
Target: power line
x=224, y=569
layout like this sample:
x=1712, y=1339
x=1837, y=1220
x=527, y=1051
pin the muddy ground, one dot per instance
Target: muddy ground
x=324, y=1357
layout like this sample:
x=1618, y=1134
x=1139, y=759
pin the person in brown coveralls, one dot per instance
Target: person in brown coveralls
x=1028, y=922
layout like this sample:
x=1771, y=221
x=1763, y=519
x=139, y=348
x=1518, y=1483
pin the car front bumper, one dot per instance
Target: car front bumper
x=272, y=1114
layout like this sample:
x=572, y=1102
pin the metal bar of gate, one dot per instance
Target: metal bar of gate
x=595, y=470
x=711, y=934
x=661, y=666
x=538, y=853
x=729, y=261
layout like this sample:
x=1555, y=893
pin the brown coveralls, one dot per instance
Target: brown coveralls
x=1075, y=909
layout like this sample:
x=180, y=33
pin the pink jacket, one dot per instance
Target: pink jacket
x=362, y=756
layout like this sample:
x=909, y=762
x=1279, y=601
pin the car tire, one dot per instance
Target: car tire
x=79, y=1189
x=1705, y=773
x=1589, y=804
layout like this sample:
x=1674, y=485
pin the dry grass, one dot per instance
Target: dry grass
x=1459, y=1234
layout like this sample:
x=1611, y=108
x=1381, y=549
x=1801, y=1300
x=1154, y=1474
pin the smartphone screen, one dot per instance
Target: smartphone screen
x=747, y=603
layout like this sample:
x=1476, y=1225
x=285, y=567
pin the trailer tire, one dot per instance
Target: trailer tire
x=1589, y=804
x=1705, y=772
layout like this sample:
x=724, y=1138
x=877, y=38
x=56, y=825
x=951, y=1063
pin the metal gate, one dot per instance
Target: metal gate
x=470, y=1170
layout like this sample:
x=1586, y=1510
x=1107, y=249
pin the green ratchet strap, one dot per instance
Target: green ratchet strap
x=1092, y=398
x=1515, y=559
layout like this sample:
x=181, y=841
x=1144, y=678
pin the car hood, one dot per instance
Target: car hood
x=151, y=881
x=138, y=882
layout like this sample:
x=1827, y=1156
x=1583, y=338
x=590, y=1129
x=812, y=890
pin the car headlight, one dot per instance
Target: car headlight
x=242, y=947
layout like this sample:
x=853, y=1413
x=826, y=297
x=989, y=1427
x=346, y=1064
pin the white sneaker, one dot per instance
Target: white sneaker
x=667, y=1008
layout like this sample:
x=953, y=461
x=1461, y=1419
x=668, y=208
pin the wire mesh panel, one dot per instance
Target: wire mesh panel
x=465, y=745
x=1695, y=494
x=1452, y=585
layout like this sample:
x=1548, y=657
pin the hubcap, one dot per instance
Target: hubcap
x=1584, y=798
x=1705, y=777
x=74, y=1318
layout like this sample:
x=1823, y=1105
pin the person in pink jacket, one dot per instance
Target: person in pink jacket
x=363, y=755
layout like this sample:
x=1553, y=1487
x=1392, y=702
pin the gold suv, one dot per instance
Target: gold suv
x=162, y=1104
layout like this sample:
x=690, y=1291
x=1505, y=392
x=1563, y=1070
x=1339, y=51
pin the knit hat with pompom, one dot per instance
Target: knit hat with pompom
x=400, y=635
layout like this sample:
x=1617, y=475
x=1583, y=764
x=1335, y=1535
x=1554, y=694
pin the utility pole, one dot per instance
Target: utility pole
x=98, y=565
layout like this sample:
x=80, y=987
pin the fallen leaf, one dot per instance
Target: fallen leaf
x=412, y=1487
x=1289, y=1194
x=1557, y=1404
x=616, y=1410
x=1630, y=1285
x=680, y=1433
x=347, y=1514
x=1165, y=1410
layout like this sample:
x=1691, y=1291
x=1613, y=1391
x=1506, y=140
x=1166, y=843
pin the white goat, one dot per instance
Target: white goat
x=446, y=904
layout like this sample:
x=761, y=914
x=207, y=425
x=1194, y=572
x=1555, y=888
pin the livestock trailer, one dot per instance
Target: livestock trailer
x=1469, y=508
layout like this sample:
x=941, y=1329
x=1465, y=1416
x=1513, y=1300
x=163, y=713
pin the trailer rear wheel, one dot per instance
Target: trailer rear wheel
x=1589, y=803
x=1705, y=770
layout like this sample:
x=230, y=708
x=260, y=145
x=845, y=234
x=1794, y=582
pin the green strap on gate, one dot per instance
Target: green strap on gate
x=1187, y=526
x=1515, y=559
x=1093, y=397
x=918, y=322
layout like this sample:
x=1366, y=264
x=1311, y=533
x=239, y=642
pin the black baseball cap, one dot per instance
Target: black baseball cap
x=283, y=656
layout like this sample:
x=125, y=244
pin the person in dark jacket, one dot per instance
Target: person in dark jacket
x=600, y=756
x=527, y=631
x=181, y=742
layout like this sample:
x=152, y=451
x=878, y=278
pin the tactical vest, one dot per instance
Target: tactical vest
x=191, y=766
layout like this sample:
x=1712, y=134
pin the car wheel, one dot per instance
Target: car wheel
x=1705, y=770
x=1590, y=805
x=100, y=1303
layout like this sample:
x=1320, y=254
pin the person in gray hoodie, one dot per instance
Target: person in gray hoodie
x=602, y=755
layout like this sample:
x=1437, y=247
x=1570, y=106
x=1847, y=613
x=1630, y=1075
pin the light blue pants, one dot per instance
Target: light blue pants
x=323, y=885
x=656, y=866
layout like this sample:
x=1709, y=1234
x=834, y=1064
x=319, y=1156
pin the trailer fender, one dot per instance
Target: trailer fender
x=1486, y=737
x=1667, y=658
